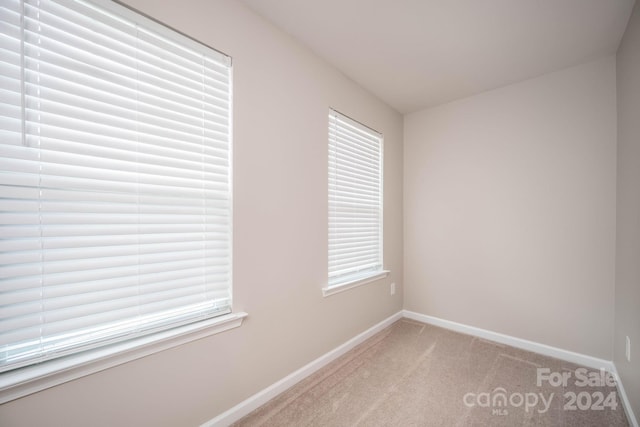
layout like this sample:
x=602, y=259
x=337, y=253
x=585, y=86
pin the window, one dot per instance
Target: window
x=355, y=203
x=114, y=179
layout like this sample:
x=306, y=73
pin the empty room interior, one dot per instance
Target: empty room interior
x=493, y=278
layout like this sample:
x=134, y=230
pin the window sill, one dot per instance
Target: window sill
x=332, y=290
x=31, y=379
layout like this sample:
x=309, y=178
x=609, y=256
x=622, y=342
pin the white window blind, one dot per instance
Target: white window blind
x=115, y=192
x=355, y=200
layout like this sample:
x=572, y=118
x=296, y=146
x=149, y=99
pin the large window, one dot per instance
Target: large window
x=355, y=202
x=114, y=179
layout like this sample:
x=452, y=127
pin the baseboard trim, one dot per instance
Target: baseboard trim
x=247, y=406
x=626, y=404
x=547, y=350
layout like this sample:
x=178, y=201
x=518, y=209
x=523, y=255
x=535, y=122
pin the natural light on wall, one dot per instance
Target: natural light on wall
x=115, y=184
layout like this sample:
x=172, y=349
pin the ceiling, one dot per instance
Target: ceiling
x=415, y=54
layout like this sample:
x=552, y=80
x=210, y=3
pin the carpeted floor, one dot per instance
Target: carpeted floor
x=412, y=374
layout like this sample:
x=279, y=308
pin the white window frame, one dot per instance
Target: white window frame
x=354, y=150
x=45, y=373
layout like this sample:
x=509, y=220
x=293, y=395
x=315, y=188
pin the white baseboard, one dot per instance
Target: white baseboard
x=558, y=353
x=244, y=408
x=547, y=350
x=625, y=400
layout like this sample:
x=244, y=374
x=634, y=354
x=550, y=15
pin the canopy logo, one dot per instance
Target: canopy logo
x=499, y=400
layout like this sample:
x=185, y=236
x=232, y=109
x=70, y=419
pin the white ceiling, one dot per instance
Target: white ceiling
x=415, y=54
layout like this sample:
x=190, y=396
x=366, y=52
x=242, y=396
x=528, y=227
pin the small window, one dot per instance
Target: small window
x=114, y=179
x=355, y=202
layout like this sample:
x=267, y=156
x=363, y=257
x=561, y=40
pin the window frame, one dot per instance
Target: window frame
x=353, y=280
x=37, y=376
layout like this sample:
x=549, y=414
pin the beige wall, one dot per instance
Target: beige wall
x=627, y=322
x=509, y=209
x=282, y=94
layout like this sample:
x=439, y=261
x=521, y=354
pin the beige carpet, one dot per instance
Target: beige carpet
x=412, y=374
